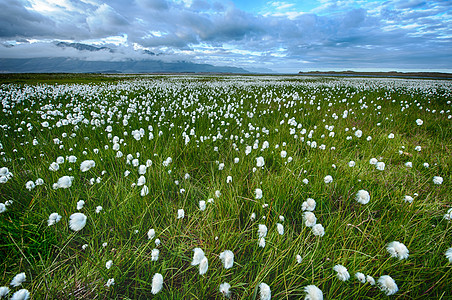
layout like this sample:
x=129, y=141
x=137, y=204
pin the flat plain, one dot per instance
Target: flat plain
x=307, y=181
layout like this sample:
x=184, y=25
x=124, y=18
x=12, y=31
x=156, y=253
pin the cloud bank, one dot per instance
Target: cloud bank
x=282, y=36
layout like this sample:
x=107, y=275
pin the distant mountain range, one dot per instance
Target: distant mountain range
x=69, y=65
x=74, y=65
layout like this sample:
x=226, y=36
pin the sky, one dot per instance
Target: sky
x=257, y=35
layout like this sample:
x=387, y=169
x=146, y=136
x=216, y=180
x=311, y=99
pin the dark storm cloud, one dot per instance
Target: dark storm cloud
x=16, y=21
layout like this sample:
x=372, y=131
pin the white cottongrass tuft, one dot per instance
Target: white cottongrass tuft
x=280, y=228
x=110, y=282
x=308, y=205
x=260, y=162
x=264, y=291
x=80, y=204
x=53, y=219
x=397, y=249
x=155, y=254
x=258, y=193
x=262, y=230
x=313, y=293
x=380, y=166
x=4, y=290
x=373, y=161
x=197, y=256
x=449, y=254
x=437, y=180
x=342, y=273
x=328, y=179
x=2, y=208
x=224, y=289
x=448, y=215
x=108, y=264
x=98, y=209
x=18, y=279
x=202, y=205
x=157, y=283
x=299, y=258
x=362, y=196
x=227, y=257
x=180, y=213
x=86, y=165
x=408, y=199
x=387, y=285
x=309, y=219
x=419, y=122
x=203, y=266
x=151, y=233
x=144, y=191
x=318, y=230
x=77, y=221
x=361, y=277
x=21, y=294
x=370, y=280
x=262, y=242
x=30, y=185
x=64, y=182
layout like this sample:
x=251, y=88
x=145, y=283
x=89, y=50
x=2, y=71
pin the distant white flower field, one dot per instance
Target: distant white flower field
x=212, y=187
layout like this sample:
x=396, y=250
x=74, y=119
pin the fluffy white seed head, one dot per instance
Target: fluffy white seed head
x=108, y=264
x=53, y=219
x=157, y=283
x=262, y=230
x=370, y=280
x=264, y=291
x=77, y=221
x=328, y=179
x=4, y=290
x=397, y=249
x=318, y=230
x=308, y=205
x=258, y=193
x=260, y=162
x=225, y=289
x=361, y=277
x=437, y=180
x=387, y=285
x=197, y=256
x=86, y=165
x=449, y=254
x=180, y=213
x=227, y=257
x=21, y=294
x=151, y=233
x=18, y=279
x=362, y=196
x=299, y=258
x=155, y=254
x=280, y=228
x=342, y=273
x=309, y=219
x=203, y=266
x=313, y=293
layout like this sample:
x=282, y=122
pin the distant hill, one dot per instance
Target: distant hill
x=69, y=65
x=381, y=74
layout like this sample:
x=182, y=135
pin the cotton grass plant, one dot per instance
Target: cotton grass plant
x=244, y=223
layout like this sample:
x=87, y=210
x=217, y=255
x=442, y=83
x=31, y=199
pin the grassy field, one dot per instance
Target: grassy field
x=234, y=153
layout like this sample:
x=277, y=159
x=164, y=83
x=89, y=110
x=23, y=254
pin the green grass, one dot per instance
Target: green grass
x=356, y=235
